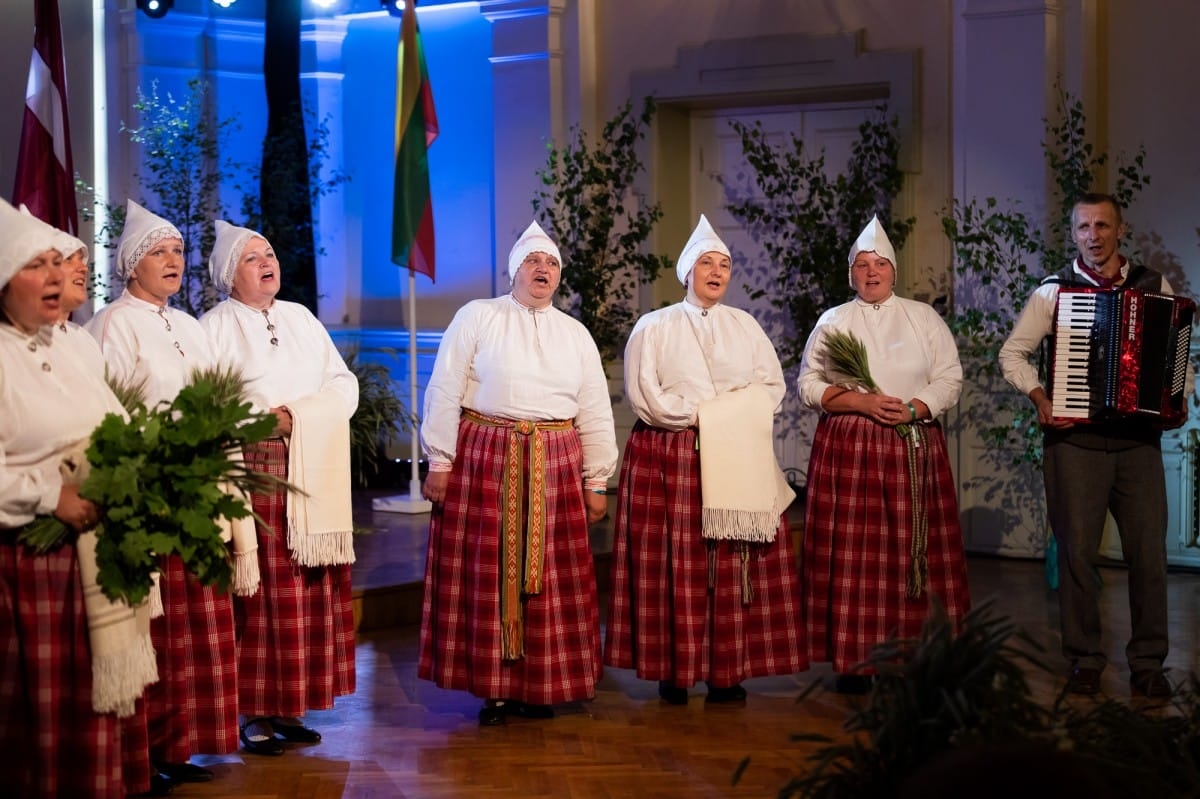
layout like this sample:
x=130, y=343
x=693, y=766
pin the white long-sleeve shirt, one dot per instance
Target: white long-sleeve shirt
x=910, y=352
x=679, y=356
x=53, y=394
x=303, y=360
x=501, y=358
x=1036, y=322
x=149, y=344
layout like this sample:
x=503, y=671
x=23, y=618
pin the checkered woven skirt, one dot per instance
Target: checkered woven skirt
x=296, y=635
x=858, y=531
x=460, y=624
x=664, y=620
x=52, y=743
x=193, y=707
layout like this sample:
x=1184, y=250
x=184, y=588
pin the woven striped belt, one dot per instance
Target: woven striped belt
x=522, y=550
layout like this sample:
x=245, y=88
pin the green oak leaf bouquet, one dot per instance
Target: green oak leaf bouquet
x=161, y=480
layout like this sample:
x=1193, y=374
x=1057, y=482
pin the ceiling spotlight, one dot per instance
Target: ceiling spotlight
x=155, y=9
x=224, y=3
x=394, y=7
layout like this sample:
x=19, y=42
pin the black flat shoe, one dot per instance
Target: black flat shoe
x=671, y=693
x=271, y=747
x=730, y=695
x=294, y=733
x=528, y=711
x=185, y=772
x=493, y=714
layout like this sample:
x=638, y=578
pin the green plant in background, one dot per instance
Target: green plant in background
x=381, y=415
x=965, y=693
x=591, y=207
x=1001, y=254
x=181, y=175
x=805, y=219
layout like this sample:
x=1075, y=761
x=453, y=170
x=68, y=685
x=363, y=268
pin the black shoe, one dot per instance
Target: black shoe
x=528, y=711
x=1151, y=683
x=272, y=747
x=1084, y=680
x=671, y=693
x=730, y=695
x=185, y=772
x=853, y=684
x=294, y=733
x=493, y=713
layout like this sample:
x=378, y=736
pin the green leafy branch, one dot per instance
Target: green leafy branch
x=381, y=414
x=592, y=208
x=805, y=220
x=160, y=479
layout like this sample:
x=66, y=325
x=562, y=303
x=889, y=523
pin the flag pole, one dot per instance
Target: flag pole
x=412, y=233
x=414, y=502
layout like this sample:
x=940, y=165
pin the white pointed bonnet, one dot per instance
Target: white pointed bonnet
x=64, y=242
x=226, y=252
x=703, y=239
x=68, y=245
x=143, y=230
x=22, y=238
x=534, y=239
x=873, y=239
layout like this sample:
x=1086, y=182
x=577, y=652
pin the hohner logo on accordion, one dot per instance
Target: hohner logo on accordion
x=1120, y=353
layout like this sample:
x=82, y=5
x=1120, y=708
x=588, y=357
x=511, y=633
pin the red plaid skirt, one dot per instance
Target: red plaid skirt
x=663, y=619
x=858, y=534
x=193, y=706
x=52, y=743
x=460, y=623
x=296, y=635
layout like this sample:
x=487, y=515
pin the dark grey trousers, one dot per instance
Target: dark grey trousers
x=1081, y=484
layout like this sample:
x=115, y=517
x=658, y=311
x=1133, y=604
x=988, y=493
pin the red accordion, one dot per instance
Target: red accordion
x=1120, y=353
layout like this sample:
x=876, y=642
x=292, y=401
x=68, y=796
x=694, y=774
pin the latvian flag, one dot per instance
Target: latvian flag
x=45, y=175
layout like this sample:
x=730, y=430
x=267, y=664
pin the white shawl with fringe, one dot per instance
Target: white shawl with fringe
x=123, y=661
x=742, y=488
x=122, y=655
x=320, y=523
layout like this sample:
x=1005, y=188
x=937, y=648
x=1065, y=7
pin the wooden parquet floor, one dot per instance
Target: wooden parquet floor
x=398, y=736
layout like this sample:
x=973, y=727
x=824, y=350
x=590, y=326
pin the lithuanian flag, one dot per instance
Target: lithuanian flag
x=416, y=128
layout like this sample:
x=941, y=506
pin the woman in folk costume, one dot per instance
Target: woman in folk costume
x=881, y=529
x=71, y=662
x=519, y=433
x=148, y=344
x=75, y=280
x=704, y=578
x=296, y=635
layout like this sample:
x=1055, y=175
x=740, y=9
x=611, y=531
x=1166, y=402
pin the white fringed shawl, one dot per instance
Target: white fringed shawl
x=742, y=488
x=320, y=521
